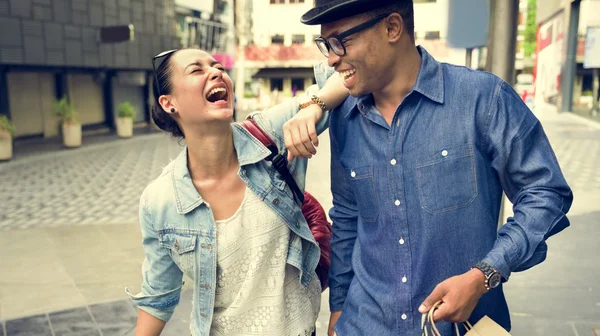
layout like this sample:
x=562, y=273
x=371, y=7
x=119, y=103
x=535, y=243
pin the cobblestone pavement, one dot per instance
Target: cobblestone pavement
x=98, y=184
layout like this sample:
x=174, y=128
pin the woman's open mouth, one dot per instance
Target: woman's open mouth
x=217, y=95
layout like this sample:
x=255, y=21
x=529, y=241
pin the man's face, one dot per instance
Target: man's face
x=366, y=58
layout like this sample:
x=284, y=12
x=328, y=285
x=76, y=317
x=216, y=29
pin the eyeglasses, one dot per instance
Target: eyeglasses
x=335, y=42
x=161, y=57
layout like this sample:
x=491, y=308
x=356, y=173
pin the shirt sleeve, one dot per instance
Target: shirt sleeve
x=344, y=215
x=272, y=119
x=532, y=180
x=162, y=279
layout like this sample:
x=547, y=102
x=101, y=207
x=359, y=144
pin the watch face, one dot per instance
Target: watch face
x=494, y=280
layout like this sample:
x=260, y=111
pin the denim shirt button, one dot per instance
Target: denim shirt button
x=404, y=317
x=444, y=153
x=404, y=279
x=397, y=202
x=393, y=162
x=276, y=201
x=401, y=241
x=353, y=173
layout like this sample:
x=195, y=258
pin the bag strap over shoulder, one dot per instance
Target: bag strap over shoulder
x=279, y=161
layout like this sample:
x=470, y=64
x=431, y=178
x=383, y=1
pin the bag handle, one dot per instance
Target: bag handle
x=427, y=318
x=279, y=161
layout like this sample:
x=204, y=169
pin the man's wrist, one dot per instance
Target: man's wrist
x=479, y=280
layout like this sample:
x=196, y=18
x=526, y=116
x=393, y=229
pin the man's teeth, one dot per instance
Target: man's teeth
x=348, y=73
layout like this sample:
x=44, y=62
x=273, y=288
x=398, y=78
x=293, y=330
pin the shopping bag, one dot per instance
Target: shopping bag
x=484, y=327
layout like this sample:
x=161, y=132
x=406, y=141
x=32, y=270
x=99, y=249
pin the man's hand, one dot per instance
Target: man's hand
x=332, y=321
x=459, y=296
x=300, y=134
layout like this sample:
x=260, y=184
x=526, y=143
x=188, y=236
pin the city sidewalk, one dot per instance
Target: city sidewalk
x=70, y=242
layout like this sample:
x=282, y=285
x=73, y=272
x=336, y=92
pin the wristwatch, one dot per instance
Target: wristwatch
x=314, y=99
x=492, y=277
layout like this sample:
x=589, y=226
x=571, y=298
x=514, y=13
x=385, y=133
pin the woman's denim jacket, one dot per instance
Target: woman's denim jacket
x=178, y=228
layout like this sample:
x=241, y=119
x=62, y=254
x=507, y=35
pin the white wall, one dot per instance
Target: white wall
x=589, y=15
x=431, y=17
x=283, y=19
x=200, y=5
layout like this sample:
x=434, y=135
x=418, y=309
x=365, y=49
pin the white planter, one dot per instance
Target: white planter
x=71, y=135
x=125, y=127
x=6, y=150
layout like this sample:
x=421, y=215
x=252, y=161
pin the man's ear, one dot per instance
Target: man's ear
x=395, y=27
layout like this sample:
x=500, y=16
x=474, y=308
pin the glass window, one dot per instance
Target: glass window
x=277, y=83
x=277, y=39
x=298, y=38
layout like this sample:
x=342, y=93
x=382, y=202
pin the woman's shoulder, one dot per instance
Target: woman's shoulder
x=159, y=192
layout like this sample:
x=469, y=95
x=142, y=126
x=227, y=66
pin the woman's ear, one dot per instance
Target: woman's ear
x=166, y=104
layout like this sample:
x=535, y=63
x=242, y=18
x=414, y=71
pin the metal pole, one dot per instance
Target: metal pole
x=469, y=58
x=502, y=48
x=503, y=36
x=241, y=52
x=596, y=86
x=570, y=67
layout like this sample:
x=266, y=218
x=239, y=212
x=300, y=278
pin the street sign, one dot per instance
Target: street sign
x=591, y=58
x=468, y=23
x=116, y=34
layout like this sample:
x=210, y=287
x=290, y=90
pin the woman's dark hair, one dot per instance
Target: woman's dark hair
x=162, y=119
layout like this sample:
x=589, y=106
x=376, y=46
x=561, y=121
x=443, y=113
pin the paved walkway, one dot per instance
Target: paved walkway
x=70, y=241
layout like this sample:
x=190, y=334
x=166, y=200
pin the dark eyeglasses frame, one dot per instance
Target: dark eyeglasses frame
x=162, y=55
x=339, y=37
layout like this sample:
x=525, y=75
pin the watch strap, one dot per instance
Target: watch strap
x=487, y=270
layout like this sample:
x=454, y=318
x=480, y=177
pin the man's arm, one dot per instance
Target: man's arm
x=344, y=215
x=531, y=178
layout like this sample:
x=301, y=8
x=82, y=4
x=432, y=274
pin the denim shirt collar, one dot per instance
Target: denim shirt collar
x=430, y=83
x=248, y=151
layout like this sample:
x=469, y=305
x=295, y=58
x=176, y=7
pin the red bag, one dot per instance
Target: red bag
x=311, y=208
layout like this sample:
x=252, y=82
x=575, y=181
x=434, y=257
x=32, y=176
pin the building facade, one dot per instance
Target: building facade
x=52, y=48
x=551, y=55
x=283, y=53
x=208, y=25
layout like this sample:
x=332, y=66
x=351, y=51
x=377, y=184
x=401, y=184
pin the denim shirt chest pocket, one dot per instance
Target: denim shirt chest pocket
x=361, y=180
x=181, y=247
x=446, y=178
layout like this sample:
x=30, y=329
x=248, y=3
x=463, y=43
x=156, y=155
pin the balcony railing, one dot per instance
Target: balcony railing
x=207, y=35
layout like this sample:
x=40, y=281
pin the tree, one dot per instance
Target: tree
x=530, y=29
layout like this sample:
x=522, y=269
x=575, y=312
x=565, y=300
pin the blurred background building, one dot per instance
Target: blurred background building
x=50, y=49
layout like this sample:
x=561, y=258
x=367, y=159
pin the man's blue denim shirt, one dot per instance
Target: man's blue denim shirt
x=417, y=201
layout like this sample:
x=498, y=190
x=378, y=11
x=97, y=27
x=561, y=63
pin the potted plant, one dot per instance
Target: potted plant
x=71, y=127
x=125, y=116
x=7, y=131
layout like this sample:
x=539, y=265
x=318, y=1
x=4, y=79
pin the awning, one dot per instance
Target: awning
x=285, y=73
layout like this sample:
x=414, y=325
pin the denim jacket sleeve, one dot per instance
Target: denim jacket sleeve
x=275, y=117
x=531, y=178
x=344, y=215
x=162, y=279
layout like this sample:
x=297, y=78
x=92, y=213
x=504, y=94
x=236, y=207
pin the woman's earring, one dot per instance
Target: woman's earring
x=172, y=110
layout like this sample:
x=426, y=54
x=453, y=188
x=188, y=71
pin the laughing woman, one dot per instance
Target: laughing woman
x=219, y=214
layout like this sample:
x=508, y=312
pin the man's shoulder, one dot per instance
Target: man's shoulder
x=468, y=78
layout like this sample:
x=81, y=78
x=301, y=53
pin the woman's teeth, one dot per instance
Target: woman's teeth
x=216, y=94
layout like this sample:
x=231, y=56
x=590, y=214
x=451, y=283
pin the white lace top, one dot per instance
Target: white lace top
x=257, y=292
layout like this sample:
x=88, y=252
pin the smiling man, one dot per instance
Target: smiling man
x=421, y=154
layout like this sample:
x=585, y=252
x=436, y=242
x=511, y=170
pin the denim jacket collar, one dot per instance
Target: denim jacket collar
x=248, y=151
x=430, y=83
